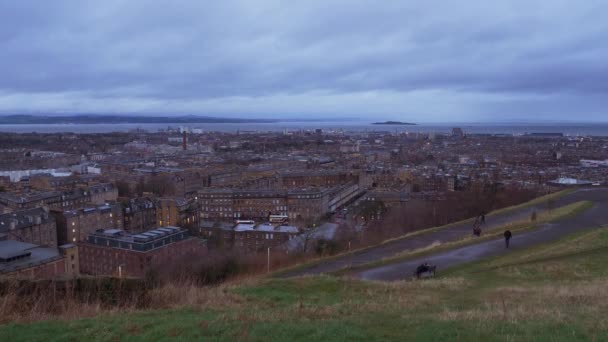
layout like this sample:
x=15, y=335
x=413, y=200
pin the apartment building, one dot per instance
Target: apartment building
x=177, y=211
x=63, y=200
x=139, y=214
x=76, y=225
x=327, y=178
x=34, y=226
x=297, y=204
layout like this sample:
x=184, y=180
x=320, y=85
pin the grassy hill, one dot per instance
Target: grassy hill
x=553, y=292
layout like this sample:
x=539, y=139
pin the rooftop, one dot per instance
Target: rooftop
x=16, y=255
x=144, y=241
x=23, y=218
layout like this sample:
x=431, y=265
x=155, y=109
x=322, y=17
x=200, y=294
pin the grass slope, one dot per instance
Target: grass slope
x=553, y=292
x=515, y=227
x=539, y=200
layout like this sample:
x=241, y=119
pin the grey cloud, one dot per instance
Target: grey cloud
x=191, y=52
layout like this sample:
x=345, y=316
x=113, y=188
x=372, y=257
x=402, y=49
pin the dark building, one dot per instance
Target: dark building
x=76, y=225
x=30, y=261
x=297, y=204
x=139, y=215
x=76, y=198
x=35, y=226
x=115, y=252
x=177, y=211
x=252, y=238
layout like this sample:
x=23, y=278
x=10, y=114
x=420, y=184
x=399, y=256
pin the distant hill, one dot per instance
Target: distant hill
x=394, y=123
x=118, y=119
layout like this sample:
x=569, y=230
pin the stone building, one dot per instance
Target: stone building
x=254, y=238
x=177, y=211
x=139, y=214
x=25, y=260
x=34, y=226
x=328, y=178
x=297, y=204
x=75, y=225
x=61, y=200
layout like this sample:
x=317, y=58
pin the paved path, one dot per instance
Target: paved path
x=597, y=215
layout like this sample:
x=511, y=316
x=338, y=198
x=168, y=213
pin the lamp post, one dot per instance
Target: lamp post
x=351, y=256
x=268, y=260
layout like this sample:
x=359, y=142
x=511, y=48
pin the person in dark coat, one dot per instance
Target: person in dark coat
x=507, y=237
x=476, y=229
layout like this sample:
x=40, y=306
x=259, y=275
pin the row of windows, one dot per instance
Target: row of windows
x=279, y=208
x=228, y=198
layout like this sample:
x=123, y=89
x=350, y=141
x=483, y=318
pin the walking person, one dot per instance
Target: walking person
x=507, y=237
x=476, y=229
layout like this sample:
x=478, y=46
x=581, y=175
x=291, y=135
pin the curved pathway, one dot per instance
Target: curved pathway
x=592, y=218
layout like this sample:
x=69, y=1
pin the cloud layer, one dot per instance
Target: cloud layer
x=443, y=60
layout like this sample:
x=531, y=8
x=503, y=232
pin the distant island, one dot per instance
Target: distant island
x=119, y=119
x=394, y=123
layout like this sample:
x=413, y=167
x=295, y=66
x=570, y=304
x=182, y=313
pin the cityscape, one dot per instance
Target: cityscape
x=293, y=193
x=325, y=170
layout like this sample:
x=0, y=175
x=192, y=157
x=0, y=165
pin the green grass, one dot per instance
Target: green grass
x=539, y=200
x=581, y=256
x=515, y=227
x=552, y=292
x=536, y=201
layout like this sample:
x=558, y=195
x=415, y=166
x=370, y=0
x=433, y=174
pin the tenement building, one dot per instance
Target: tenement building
x=325, y=178
x=177, y=211
x=34, y=226
x=297, y=204
x=66, y=200
x=139, y=214
x=76, y=225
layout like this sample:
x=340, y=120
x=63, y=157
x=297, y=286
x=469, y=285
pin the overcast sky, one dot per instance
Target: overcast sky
x=421, y=61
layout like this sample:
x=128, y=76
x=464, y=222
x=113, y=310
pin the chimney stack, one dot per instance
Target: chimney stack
x=184, y=140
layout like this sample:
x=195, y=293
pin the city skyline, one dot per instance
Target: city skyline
x=442, y=61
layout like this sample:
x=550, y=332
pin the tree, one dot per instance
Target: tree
x=307, y=236
x=326, y=247
x=124, y=190
x=370, y=209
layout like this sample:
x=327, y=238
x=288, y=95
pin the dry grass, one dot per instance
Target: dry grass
x=13, y=309
x=48, y=302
